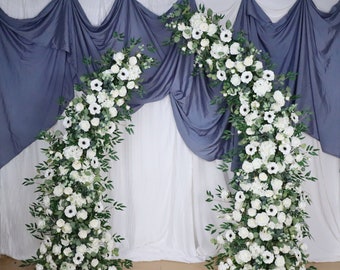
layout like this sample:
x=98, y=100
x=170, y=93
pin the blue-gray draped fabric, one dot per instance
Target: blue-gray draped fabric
x=41, y=58
x=305, y=41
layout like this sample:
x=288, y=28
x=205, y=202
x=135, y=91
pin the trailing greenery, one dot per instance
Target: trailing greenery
x=263, y=214
x=73, y=208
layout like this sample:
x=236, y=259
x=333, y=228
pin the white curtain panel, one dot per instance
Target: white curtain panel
x=158, y=178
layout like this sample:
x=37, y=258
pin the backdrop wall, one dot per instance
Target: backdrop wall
x=160, y=180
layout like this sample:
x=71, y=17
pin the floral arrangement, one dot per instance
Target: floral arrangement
x=73, y=208
x=263, y=215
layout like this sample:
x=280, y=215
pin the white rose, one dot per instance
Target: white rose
x=248, y=61
x=95, y=224
x=245, y=186
x=239, y=66
x=243, y=256
x=85, y=125
x=76, y=165
x=258, y=65
x=56, y=250
x=279, y=98
x=266, y=128
x=82, y=234
x=82, y=214
x=204, y=42
x=280, y=261
x=276, y=184
x=90, y=99
x=129, y=85
x=67, y=228
x=65, y=242
x=289, y=131
x=247, y=167
x=265, y=236
x=120, y=102
x=256, y=204
x=223, y=266
x=237, y=215
x=42, y=248
x=90, y=154
x=243, y=232
x=81, y=249
x=115, y=68
x=262, y=219
x=281, y=217
x=235, y=80
x=257, y=163
x=132, y=60
x=118, y=57
x=252, y=212
x=251, y=223
x=108, y=103
x=212, y=28
x=295, y=142
x=60, y=223
x=287, y=202
x=58, y=190
x=229, y=63
x=67, y=251
x=263, y=176
x=249, y=131
x=95, y=121
x=267, y=149
x=39, y=267
x=94, y=262
x=68, y=190
x=181, y=26
x=235, y=48
x=113, y=112
x=261, y=87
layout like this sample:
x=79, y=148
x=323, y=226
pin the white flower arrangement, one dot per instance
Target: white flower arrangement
x=263, y=217
x=73, y=208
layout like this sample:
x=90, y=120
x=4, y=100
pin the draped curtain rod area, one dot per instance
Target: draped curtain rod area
x=170, y=162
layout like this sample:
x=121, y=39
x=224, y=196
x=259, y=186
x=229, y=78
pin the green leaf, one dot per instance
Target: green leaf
x=228, y=24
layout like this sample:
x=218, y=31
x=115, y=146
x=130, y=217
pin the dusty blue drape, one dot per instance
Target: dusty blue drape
x=41, y=58
x=305, y=41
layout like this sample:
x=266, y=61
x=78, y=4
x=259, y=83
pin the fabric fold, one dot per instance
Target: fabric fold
x=43, y=57
x=305, y=41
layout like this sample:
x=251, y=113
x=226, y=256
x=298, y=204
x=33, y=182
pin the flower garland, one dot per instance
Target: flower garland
x=73, y=208
x=263, y=217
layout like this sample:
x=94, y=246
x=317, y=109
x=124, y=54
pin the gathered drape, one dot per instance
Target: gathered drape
x=53, y=46
x=305, y=41
x=43, y=57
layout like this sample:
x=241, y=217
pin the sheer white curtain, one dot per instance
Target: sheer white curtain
x=162, y=183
